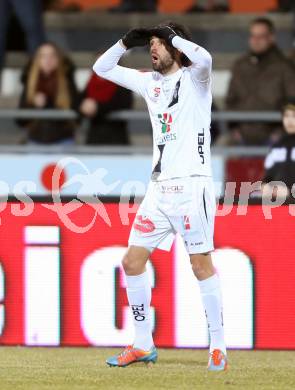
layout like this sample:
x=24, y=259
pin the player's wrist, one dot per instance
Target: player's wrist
x=174, y=40
x=171, y=34
x=122, y=44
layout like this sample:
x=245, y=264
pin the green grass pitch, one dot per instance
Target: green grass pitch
x=85, y=369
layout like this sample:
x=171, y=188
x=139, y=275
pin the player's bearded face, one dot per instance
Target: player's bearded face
x=162, y=59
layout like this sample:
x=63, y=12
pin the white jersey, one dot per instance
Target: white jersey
x=179, y=106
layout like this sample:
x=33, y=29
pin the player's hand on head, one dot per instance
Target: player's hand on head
x=136, y=37
x=164, y=32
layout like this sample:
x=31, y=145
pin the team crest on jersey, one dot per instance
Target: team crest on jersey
x=166, y=121
x=157, y=92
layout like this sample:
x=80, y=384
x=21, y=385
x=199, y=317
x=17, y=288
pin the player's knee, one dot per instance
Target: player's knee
x=199, y=270
x=126, y=264
x=129, y=265
x=202, y=266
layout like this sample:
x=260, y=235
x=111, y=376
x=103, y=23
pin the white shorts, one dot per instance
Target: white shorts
x=185, y=206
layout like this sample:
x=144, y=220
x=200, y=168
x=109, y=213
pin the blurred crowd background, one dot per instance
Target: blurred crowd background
x=47, y=49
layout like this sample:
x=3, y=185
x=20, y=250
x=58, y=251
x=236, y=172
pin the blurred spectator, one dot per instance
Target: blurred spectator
x=136, y=6
x=49, y=84
x=286, y=5
x=54, y=5
x=292, y=53
x=210, y=6
x=100, y=98
x=261, y=81
x=29, y=14
x=280, y=161
x=215, y=130
x=64, y=6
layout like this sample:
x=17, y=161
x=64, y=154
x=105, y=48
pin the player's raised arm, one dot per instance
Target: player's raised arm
x=200, y=58
x=107, y=64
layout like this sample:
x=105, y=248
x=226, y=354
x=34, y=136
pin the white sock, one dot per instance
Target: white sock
x=139, y=297
x=212, y=301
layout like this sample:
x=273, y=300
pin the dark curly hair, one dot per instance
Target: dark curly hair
x=183, y=33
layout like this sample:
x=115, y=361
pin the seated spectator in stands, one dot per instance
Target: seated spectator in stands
x=100, y=98
x=280, y=161
x=136, y=6
x=214, y=130
x=286, y=6
x=292, y=52
x=48, y=83
x=29, y=14
x=210, y=6
x=261, y=81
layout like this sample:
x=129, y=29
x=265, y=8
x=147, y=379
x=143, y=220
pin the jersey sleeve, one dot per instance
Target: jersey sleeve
x=107, y=67
x=201, y=59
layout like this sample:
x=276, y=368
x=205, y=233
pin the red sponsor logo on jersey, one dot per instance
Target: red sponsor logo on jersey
x=144, y=224
x=186, y=221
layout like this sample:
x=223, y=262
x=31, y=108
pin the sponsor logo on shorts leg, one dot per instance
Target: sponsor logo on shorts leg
x=193, y=244
x=186, y=222
x=143, y=224
x=196, y=243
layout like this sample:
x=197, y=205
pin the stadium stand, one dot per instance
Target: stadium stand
x=84, y=34
x=235, y=6
x=238, y=6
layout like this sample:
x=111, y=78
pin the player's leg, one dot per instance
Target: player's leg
x=212, y=301
x=151, y=229
x=139, y=295
x=210, y=289
x=196, y=227
x=139, y=298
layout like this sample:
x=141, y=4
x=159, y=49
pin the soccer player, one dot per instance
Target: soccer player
x=180, y=197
